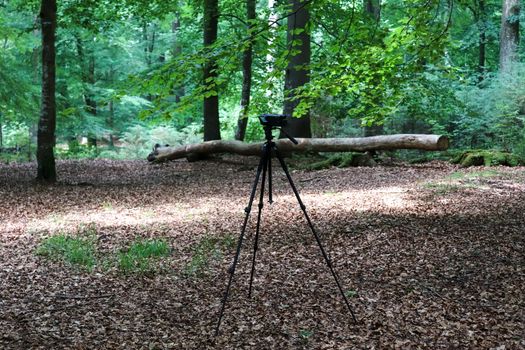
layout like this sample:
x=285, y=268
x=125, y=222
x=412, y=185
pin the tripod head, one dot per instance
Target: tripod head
x=272, y=122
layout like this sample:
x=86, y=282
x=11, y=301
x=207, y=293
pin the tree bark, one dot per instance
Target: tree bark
x=372, y=12
x=482, y=25
x=88, y=79
x=1, y=133
x=372, y=8
x=46, y=126
x=177, y=50
x=110, y=121
x=211, y=101
x=149, y=41
x=298, y=70
x=247, y=58
x=91, y=103
x=509, y=34
x=361, y=144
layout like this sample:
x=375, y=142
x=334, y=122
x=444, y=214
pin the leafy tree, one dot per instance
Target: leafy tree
x=247, y=60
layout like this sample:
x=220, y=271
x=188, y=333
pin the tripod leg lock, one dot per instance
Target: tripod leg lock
x=247, y=210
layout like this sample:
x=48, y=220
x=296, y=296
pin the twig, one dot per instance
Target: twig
x=65, y=296
x=432, y=291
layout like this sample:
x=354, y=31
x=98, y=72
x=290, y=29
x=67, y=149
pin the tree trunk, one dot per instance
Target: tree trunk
x=110, y=121
x=482, y=25
x=177, y=50
x=270, y=56
x=361, y=144
x=46, y=126
x=509, y=35
x=246, y=73
x=91, y=103
x=211, y=102
x=372, y=9
x=372, y=12
x=298, y=70
x=88, y=79
x=1, y=134
x=149, y=41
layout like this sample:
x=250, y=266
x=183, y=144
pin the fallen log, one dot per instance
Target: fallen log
x=358, y=144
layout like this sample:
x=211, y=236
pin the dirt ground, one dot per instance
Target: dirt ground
x=430, y=256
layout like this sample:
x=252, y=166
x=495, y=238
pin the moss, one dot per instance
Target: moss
x=344, y=160
x=487, y=158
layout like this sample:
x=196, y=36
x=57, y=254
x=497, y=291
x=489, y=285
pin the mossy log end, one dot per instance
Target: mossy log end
x=359, y=144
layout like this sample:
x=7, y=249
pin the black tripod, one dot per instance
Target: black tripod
x=271, y=122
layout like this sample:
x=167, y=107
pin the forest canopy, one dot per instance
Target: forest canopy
x=132, y=73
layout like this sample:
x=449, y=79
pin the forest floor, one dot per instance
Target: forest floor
x=430, y=256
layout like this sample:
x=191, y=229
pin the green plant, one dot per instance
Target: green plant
x=138, y=257
x=442, y=187
x=351, y=293
x=71, y=250
x=343, y=160
x=487, y=158
x=305, y=335
x=461, y=180
x=208, y=248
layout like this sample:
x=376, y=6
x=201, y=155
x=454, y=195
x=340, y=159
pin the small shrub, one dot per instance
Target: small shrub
x=71, y=250
x=138, y=257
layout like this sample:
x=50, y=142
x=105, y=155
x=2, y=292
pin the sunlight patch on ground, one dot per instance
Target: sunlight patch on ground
x=394, y=197
x=117, y=216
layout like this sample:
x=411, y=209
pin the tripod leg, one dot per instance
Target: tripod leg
x=317, y=238
x=267, y=155
x=270, y=199
x=247, y=210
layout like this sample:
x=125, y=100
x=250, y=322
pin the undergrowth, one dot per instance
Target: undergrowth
x=80, y=250
x=206, y=250
x=487, y=158
x=140, y=255
x=76, y=251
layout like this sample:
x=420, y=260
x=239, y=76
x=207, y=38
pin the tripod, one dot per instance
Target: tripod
x=265, y=167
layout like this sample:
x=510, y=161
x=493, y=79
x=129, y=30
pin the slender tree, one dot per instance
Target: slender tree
x=211, y=101
x=372, y=8
x=247, y=59
x=177, y=50
x=298, y=70
x=88, y=80
x=47, y=123
x=509, y=34
x=482, y=25
x=372, y=12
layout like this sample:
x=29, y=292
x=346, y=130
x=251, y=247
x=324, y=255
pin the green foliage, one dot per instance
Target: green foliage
x=80, y=251
x=139, y=256
x=487, y=158
x=75, y=251
x=343, y=160
x=351, y=294
x=459, y=181
x=495, y=113
x=138, y=140
x=76, y=151
x=414, y=70
x=207, y=249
